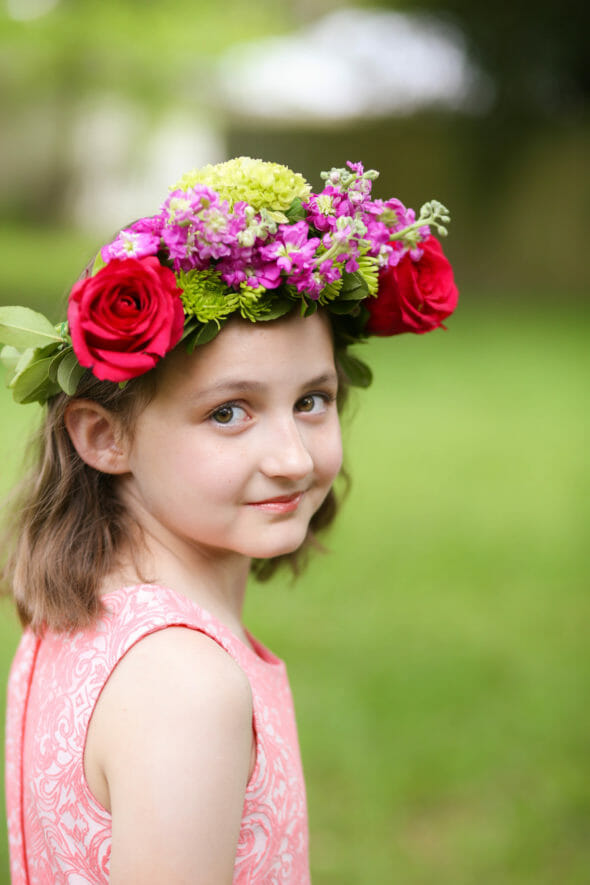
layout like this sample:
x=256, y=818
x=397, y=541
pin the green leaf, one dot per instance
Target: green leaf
x=99, y=263
x=342, y=307
x=22, y=328
x=190, y=326
x=69, y=372
x=279, y=308
x=276, y=216
x=34, y=383
x=350, y=328
x=354, y=287
x=357, y=372
x=26, y=358
x=202, y=335
x=31, y=357
x=295, y=212
x=10, y=357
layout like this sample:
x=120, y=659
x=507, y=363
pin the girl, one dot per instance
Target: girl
x=191, y=435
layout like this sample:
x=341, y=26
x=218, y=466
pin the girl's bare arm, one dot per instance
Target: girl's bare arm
x=169, y=749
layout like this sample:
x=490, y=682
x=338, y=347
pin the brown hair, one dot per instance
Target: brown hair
x=67, y=525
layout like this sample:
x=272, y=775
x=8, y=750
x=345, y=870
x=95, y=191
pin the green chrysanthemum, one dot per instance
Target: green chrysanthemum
x=205, y=296
x=263, y=185
x=369, y=269
x=252, y=303
x=330, y=292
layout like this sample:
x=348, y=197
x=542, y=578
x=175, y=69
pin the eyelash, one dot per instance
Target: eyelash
x=221, y=408
x=327, y=399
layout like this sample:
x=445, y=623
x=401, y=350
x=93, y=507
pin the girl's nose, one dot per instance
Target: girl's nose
x=287, y=454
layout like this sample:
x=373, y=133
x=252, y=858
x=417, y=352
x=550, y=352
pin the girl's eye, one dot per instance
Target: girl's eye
x=313, y=402
x=229, y=414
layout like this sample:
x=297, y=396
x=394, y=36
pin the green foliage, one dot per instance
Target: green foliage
x=21, y=327
x=354, y=287
x=36, y=367
x=68, y=371
x=296, y=212
x=146, y=49
x=195, y=333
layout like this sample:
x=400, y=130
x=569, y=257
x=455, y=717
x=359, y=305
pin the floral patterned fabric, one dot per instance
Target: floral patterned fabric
x=58, y=832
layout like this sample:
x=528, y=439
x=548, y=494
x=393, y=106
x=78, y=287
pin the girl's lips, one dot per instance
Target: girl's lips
x=280, y=504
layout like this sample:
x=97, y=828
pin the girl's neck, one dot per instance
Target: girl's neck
x=215, y=580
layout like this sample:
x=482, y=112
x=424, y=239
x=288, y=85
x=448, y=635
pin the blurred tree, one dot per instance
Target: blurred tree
x=536, y=55
x=156, y=54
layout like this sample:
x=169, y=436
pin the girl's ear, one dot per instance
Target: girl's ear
x=96, y=436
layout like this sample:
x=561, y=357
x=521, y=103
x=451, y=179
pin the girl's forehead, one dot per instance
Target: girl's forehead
x=291, y=347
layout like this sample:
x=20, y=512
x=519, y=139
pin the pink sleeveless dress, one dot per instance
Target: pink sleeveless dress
x=58, y=832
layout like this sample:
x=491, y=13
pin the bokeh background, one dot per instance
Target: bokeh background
x=439, y=650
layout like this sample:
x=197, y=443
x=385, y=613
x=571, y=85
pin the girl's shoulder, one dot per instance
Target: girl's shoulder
x=154, y=637
x=173, y=685
x=171, y=680
x=176, y=709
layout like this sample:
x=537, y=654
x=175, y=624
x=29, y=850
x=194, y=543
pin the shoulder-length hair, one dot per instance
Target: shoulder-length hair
x=67, y=526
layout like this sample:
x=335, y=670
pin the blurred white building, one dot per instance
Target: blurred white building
x=353, y=64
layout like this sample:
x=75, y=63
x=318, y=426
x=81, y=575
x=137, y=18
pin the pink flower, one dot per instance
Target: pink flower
x=200, y=227
x=324, y=209
x=131, y=244
x=291, y=249
x=151, y=224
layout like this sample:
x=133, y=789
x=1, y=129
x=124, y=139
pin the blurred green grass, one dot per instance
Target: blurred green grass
x=438, y=652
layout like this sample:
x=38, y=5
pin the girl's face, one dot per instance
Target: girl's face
x=241, y=443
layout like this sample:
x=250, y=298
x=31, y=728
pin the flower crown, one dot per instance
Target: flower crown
x=243, y=237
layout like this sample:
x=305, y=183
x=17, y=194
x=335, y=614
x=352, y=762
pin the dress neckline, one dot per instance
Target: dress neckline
x=254, y=648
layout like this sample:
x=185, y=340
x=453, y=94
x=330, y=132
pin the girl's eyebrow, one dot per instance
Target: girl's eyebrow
x=240, y=385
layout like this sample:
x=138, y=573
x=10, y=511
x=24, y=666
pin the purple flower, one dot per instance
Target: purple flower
x=152, y=224
x=247, y=265
x=200, y=227
x=356, y=167
x=329, y=272
x=309, y=281
x=324, y=209
x=402, y=217
x=265, y=274
x=290, y=248
x=129, y=244
x=179, y=244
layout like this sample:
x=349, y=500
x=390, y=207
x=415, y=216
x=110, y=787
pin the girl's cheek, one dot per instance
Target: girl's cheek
x=334, y=454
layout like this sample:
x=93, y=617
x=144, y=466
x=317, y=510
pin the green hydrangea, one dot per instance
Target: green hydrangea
x=205, y=296
x=263, y=185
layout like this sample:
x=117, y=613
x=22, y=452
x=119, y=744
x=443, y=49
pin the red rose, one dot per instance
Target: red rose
x=125, y=318
x=414, y=296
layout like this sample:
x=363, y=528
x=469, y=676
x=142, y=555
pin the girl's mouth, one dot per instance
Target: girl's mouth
x=280, y=504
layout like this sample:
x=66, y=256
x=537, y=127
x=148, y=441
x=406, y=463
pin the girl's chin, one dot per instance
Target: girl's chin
x=272, y=550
